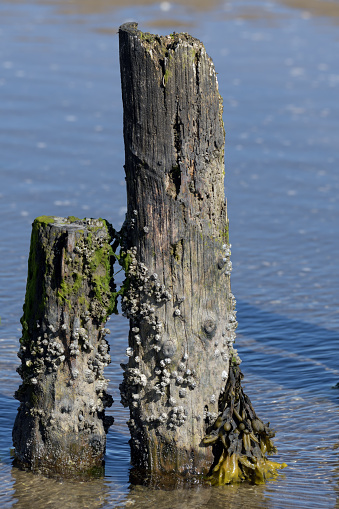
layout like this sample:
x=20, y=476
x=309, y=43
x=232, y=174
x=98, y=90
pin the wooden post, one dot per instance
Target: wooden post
x=60, y=428
x=177, y=257
x=179, y=301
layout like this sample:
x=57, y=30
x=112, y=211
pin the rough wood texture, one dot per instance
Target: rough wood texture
x=61, y=425
x=178, y=296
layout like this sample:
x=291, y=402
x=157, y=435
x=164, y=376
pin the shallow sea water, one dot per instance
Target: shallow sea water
x=62, y=153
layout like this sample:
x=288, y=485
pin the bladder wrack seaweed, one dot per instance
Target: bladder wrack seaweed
x=240, y=439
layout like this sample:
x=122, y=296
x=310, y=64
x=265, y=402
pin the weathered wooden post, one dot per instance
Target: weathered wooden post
x=61, y=426
x=177, y=258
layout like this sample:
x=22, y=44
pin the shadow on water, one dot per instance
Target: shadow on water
x=290, y=352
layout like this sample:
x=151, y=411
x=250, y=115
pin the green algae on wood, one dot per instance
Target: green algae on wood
x=61, y=424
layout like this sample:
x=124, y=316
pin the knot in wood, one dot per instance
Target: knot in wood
x=169, y=349
x=209, y=327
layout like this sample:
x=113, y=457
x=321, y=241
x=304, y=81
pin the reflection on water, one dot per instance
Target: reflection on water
x=29, y=489
x=62, y=154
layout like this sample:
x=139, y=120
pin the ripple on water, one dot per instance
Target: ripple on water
x=62, y=153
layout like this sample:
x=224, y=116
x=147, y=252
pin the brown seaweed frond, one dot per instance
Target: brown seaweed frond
x=240, y=439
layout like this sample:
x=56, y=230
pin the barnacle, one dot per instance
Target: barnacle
x=239, y=438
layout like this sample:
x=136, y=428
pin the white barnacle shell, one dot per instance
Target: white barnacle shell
x=224, y=375
x=213, y=398
x=177, y=312
x=163, y=418
x=216, y=352
x=129, y=352
x=82, y=332
x=172, y=401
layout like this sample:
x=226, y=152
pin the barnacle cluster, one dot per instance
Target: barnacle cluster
x=239, y=438
x=47, y=340
x=153, y=354
x=140, y=289
x=142, y=293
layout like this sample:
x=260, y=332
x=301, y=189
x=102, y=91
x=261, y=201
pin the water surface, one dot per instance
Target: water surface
x=62, y=154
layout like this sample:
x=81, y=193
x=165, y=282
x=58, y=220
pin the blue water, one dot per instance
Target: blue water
x=62, y=153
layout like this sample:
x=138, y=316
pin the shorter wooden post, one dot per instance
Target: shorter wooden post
x=61, y=426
